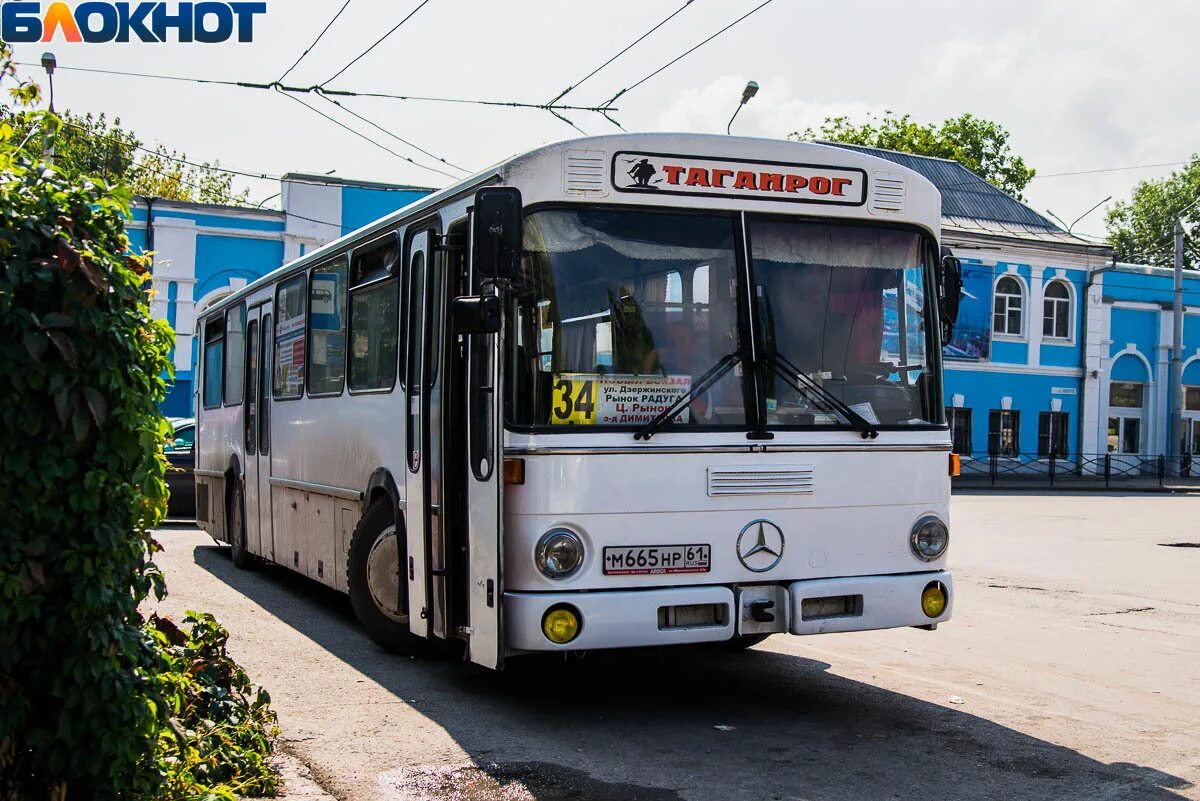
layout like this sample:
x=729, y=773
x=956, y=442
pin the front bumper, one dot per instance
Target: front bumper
x=633, y=618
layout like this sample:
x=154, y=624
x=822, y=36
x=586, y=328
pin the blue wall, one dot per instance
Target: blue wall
x=361, y=205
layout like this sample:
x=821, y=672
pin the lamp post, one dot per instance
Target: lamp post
x=750, y=91
x=49, y=62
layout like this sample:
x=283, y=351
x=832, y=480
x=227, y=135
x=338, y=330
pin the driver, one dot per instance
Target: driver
x=679, y=357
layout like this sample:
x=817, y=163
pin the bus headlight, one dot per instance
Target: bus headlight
x=559, y=553
x=929, y=539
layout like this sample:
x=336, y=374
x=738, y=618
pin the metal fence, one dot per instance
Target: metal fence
x=1108, y=469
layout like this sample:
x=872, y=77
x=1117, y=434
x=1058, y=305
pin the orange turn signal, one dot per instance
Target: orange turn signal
x=955, y=465
x=514, y=471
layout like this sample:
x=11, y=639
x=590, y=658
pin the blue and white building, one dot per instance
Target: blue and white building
x=1058, y=350
x=203, y=252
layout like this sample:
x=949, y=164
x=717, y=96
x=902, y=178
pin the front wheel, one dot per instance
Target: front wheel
x=378, y=591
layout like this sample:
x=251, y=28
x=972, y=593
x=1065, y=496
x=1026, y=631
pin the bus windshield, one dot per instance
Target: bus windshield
x=622, y=313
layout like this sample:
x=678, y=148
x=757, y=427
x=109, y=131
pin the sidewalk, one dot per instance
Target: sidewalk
x=1170, y=484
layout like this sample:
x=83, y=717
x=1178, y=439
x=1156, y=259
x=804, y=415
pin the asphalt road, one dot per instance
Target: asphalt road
x=1071, y=671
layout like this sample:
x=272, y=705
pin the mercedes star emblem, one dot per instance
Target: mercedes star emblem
x=760, y=545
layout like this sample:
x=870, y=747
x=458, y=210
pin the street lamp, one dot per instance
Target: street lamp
x=750, y=91
x=49, y=62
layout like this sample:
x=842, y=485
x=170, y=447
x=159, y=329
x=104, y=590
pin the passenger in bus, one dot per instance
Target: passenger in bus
x=680, y=356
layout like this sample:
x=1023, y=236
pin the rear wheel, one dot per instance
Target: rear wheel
x=236, y=519
x=378, y=592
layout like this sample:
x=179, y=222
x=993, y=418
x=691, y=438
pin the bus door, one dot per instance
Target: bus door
x=423, y=477
x=495, y=239
x=257, y=430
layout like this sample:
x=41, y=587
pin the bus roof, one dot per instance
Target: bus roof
x=702, y=171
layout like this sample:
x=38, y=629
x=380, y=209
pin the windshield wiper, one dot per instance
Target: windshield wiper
x=710, y=377
x=802, y=382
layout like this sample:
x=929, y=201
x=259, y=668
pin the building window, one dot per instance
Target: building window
x=1191, y=399
x=327, y=328
x=1004, y=432
x=1052, y=434
x=235, y=354
x=1125, y=400
x=1008, y=311
x=960, y=429
x=290, y=312
x=1056, y=311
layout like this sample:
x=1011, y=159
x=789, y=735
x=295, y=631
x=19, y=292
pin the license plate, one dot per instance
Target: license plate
x=635, y=560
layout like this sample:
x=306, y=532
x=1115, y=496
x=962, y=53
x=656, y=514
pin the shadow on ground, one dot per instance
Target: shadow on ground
x=694, y=724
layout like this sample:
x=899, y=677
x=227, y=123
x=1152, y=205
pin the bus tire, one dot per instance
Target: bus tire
x=235, y=520
x=377, y=592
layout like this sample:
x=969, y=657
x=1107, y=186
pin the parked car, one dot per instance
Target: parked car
x=181, y=461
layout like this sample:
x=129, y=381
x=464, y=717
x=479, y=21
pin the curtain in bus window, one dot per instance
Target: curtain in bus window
x=235, y=353
x=846, y=305
x=374, y=321
x=290, y=313
x=327, y=329
x=604, y=331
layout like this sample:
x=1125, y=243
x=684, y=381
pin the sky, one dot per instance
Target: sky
x=1081, y=86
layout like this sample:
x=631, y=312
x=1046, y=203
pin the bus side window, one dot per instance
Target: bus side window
x=374, y=316
x=264, y=393
x=235, y=354
x=214, y=361
x=290, y=308
x=327, y=328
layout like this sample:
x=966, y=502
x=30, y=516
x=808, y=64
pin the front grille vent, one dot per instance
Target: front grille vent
x=583, y=173
x=760, y=480
x=887, y=193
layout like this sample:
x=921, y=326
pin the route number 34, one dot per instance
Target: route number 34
x=574, y=402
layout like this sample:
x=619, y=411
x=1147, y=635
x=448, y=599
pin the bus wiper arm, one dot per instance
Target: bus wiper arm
x=802, y=382
x=710, y=377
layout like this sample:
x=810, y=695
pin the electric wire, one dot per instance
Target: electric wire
x=687, y=53
x=395, y=136
x=378, y=42
x=315, y=41
x=363, y=136
x=627, y=48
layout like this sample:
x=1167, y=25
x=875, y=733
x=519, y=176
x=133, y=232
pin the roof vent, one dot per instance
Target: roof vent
x=887, y=194
x=583, y=173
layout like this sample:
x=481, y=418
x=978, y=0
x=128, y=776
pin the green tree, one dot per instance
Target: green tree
x=1142, y=229
x=89, y=145
x=979, y=145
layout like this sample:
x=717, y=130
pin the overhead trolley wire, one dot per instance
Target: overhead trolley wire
x=378, y=42
x=627, y=48
x=315, y=41
x=361, y=135
x=395, y=136
x=686, y=53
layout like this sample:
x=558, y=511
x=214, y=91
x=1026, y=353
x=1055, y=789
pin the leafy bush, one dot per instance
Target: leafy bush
x=220, y=731
x=93, y=703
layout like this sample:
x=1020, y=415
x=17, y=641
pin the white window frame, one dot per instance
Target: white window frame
x=1069, y=300
x=1005, y=335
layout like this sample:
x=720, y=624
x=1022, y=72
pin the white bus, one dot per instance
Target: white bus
x=632, y=390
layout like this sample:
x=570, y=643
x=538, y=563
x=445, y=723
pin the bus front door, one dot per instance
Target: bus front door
x=424, y=462
x=484, y=495
x=260, y=335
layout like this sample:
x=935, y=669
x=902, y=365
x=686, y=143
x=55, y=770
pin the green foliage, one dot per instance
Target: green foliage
x=220, y=730
x=979, y=145
x=90, y=146
x=1142, y=229
x=86, y=690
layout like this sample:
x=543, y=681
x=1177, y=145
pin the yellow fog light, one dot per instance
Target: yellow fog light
x=933, y=599
x=561, y=625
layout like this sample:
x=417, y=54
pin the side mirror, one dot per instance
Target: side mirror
x=950, y=284
x=475, y=314
x=497, y=233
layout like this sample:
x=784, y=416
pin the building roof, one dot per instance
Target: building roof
x=331, y=180
x=964, y=194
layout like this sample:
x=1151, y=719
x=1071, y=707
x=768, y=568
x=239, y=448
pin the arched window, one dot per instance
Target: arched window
x=1008, y=311
x=1056, y=311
